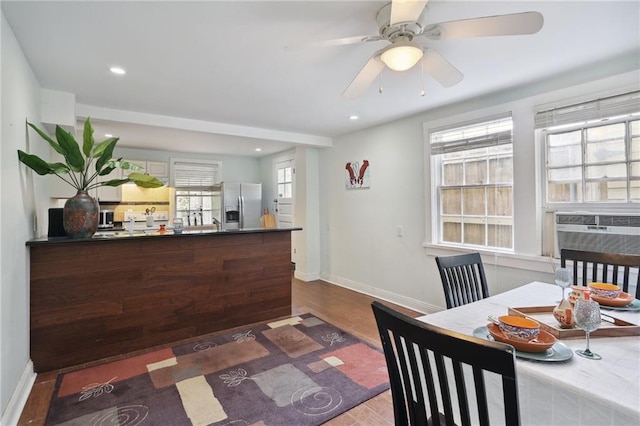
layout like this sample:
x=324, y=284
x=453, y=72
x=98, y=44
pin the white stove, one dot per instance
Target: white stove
x=143, y=221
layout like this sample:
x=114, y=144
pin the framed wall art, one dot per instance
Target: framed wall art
x=357, y=174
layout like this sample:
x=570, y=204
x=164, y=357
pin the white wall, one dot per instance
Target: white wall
x=22, y=198
x=307, y=214
x=360, y=245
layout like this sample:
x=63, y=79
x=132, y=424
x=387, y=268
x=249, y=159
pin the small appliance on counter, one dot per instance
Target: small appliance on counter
x=105, y=219
x=56, y=227
x=139, y=221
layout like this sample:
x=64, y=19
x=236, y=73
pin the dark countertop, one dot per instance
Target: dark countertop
x=113, y=235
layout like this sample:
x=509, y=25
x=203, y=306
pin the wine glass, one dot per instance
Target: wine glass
x=587, y=317
x=562, y=277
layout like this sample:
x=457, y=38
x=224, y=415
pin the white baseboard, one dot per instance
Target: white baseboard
x=306, y=277
x=19, y=397
x=407, y=302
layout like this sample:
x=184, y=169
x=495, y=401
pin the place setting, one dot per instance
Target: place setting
x=526, y=336
x=611, y=297
x=535, y=332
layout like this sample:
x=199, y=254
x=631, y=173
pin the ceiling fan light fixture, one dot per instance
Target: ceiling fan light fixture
x=401, y=56
x=117, y=70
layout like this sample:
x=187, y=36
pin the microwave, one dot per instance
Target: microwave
x=106, y=219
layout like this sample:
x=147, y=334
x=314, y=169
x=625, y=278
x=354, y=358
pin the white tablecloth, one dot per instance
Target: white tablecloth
x=574, y=392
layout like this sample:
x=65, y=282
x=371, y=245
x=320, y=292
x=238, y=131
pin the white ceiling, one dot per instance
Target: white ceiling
x=213, y=76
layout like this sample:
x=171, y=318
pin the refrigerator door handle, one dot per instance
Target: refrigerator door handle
x=241, y=208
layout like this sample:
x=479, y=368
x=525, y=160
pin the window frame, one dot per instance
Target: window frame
x=582, y=127
x=195, y=188
x=531, y=218
x=436, y=164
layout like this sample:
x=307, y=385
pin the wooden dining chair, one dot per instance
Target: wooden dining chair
x=462, y=278
x=424, y=364
x=614, y=268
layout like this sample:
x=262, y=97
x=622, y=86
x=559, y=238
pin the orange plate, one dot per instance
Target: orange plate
x=546, y=340
x=623, y=300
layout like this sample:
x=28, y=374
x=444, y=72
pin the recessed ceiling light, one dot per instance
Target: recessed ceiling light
x=353, y=117
x=108, y=135
x=258, y=149
x=118, y=70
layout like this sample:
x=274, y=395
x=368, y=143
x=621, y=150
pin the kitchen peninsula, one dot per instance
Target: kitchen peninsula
x=100, y=297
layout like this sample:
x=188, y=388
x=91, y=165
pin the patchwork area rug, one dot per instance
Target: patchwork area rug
x=294, y=372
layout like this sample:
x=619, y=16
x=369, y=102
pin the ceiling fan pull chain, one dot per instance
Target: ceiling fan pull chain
x=422, y=74
x=380, y=88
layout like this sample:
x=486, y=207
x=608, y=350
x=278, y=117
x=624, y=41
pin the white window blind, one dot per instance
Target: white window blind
x=492, y=132
x=195, y=175
x=608, y=107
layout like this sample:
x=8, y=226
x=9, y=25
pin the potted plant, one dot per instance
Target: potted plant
x=80, y=217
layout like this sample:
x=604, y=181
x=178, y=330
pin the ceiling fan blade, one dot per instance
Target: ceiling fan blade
x=501, y=25
x=334, y=42
x=406, y=10
x=441, y=69
x=365, y=77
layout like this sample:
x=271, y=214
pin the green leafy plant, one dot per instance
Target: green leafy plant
x=76, y=170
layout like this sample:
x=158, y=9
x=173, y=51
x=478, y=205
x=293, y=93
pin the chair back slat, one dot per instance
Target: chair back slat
x=483, y=411
x=605, y=267
x=418, y=358
x=447, y=404
x=463, y=401
x=463, y=279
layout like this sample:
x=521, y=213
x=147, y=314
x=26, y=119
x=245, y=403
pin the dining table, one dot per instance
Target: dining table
x=567, y=390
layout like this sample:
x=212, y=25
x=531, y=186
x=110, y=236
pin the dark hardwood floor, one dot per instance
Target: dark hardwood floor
x=344, y=308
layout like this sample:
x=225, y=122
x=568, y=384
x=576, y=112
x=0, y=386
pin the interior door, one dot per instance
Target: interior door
x=285, y=187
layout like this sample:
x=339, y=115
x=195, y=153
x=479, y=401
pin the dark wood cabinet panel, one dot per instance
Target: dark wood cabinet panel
x=95, y=300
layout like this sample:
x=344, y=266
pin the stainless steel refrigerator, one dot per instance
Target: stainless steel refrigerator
x=241, y=205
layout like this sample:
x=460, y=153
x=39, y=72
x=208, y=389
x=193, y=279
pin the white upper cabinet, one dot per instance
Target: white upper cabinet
x=108, y=193
x=126, y=172
x=60, y=189
x=154, y=168
x=159, y=170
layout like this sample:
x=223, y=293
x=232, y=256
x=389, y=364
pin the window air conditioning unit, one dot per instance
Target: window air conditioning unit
x=599, y=232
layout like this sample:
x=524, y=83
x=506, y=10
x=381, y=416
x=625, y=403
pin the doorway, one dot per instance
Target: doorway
x=285, y=185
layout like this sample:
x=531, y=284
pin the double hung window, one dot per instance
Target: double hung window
x=473, y=175
x=592, y=151
x=197, y=192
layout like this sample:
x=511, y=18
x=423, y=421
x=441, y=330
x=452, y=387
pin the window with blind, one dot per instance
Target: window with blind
x=473, y=183
x=197, y=191
x=592, y=151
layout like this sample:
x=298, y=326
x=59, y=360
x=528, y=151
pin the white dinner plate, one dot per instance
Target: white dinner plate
x=633, y=306
x=558, y=352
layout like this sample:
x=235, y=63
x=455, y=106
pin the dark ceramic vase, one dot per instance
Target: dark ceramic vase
x=80, y=217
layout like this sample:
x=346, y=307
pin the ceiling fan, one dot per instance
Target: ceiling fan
x=403, y=24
